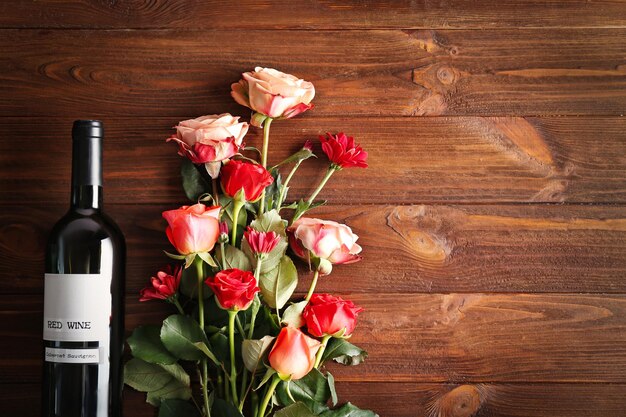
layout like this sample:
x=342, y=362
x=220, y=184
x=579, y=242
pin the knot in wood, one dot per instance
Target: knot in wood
x=463, y=401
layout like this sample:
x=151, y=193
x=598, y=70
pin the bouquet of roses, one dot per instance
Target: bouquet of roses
x=254, y=351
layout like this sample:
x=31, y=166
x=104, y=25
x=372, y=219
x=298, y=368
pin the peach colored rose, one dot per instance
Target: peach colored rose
x=324, y=239
x=293, y=354
x=193, y=229
x=273, y=93
x=210, y=138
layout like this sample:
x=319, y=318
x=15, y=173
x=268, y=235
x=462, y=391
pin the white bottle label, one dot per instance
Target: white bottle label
x=77, y=308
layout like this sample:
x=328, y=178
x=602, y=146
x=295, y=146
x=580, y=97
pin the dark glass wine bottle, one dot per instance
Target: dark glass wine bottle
x=83, y=327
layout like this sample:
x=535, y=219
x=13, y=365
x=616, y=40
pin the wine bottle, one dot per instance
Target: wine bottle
x=83, y=327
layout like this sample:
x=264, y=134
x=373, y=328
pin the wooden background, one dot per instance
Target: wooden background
x=493, y=214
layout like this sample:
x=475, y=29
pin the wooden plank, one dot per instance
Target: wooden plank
x=350, y=14
x=459, y=338
x=412, y=399
x=530, y=248
x=369, y=73
x=426, y=160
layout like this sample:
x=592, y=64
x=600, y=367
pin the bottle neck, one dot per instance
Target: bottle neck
x=86, y=197
x=86, y=172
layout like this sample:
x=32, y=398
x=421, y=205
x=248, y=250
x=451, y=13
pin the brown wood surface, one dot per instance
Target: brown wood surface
x=504, y=72
x=423, y=337
x=321, y=14
x=416, y=399
x=470, y=159
x=407, y=249
x=494, y=234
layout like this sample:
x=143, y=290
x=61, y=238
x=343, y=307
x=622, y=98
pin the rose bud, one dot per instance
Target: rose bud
x=193, y=229
x=261, y=243
x=323, y=239
x=209, y=138
x=233, y=288
x=343, y=152
x=163, y=286
x=326, y=315
x=223, y=232
x=293, y=354
x=273, y=93
x=246, y=176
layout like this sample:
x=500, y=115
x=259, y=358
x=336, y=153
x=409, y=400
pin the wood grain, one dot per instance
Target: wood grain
x=309, y=14
x=364, y=73
x=426, y=160
x=412, y=399
x=459, y=338
x=406, y=249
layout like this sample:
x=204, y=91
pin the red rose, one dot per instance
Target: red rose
x=163, y=286
x=252, y=178
x=261, y=242
x=343, y=152
x=193, y=229
x=293, y=354
x=234, y=288
x=329, y=315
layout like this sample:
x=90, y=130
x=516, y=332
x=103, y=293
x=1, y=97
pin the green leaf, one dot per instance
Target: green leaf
x=145, y=343
x=206, y=257
x=349, y=410
x=268, y=375
x=177, y=408
x=293, y=314
x=174, y=256
x=144, y=376
x=173, y=389
x=331, y=384
x=205, y=349
x=223, y=408
x=178, y=373
x=278, y=285
x=253, y=351
x=193, y=183
x=343, y=352
x=294, y=410
x=189, y=260
x=312, y=390
x=220, y=347
x=234, y=258
x=270, y=221
x=179, y=335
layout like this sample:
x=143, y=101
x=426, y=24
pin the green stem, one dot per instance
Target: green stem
x=283, y=188
x=255, y=404
x=233, y=366
x=174, y=300
x=268, y=395
x=320, y=351
x=216, y=197
x=236, y=209
x=316, y=275
x=223, y=254
x=331, y=170
x=205, y=373
x=266, y=142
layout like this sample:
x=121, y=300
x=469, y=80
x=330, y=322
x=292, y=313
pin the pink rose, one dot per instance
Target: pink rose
x=209, y=138
x=193, y=229
x=324, y=239
x=273, y=93
x=293, y=354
